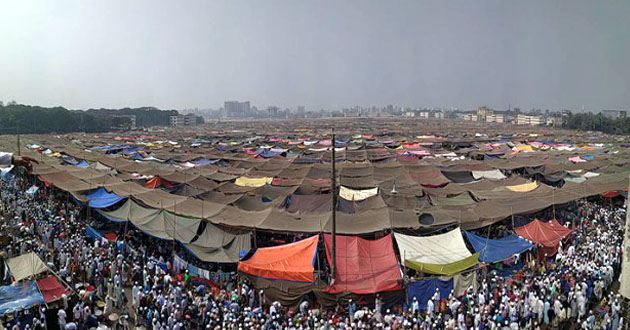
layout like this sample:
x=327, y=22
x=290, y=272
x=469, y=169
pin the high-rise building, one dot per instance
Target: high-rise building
x=236, y=109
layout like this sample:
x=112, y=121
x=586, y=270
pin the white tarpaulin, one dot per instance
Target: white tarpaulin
x=356, y=195
x=491, y=174
x=438, y=249
x=25, y=266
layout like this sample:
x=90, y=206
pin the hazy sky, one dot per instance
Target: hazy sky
x=321, y=54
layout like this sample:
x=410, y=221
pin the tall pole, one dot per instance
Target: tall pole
x=333, y=185
x=19, y=150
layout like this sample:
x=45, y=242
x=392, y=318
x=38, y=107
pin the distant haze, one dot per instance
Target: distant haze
x=321, y=54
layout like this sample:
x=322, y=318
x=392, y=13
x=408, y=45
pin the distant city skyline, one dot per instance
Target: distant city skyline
x=317, y=54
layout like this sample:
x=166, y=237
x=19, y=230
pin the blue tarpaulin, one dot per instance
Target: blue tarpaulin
x=91, y=232
x=266, y=153
x=100, y=198
x=5, y=173
x=82, y=164
x=204, y=161
x=493, y=250
x=137, y=157
x=69, y=159
x=32, y=190
x=423, y=290
x=21, y=296
x=506, y=270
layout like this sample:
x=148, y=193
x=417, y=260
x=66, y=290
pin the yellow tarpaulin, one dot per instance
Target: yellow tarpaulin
x=444, y=269
x=525, y=187
x=356, y=195
x=252, y=182
x=526, y=148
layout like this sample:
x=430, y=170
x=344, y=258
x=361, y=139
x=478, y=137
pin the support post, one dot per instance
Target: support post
x=333, y=184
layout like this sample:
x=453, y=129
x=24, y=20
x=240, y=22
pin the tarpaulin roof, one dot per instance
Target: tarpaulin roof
x=493, y=250
x=490, y=174
x=100, y=198
x=437, y=249
x=451, y=268
x=525, y=187
x=155, y=222
x=217, y=245
x=439, y=254
x=252, y=182
x=364, y=266
x=293, y=262
x=82, y=164
x=548, y=234
x=51, y=289
x=157, y=182
x=424, y=290
x=459, y=176
x=26, y=265
x=356, y=195
x=19, y=297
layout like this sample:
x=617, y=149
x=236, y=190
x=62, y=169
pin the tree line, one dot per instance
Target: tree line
x=26, y=119
x=597, y=122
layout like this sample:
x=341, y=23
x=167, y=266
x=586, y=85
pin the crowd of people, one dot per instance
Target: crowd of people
x=571, y=289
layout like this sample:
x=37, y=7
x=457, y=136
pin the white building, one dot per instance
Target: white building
x=529, y=120
x=183, y=120
x=494, y=118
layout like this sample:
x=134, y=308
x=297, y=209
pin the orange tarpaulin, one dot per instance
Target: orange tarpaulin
x=293, y=262
x=157, y=182
x=364, y=266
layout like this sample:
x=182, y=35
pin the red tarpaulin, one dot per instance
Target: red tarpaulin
x=548, y=234
x=610, y=194
x=157, y=182
x=364, y=266
x=112, y=237
x=293, y=262
x=48, y=184
x=51, y=289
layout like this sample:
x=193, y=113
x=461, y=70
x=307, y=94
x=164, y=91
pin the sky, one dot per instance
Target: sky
x=320, y=54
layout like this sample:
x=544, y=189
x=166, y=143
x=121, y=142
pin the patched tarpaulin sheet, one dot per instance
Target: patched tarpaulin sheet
x=364, y=266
